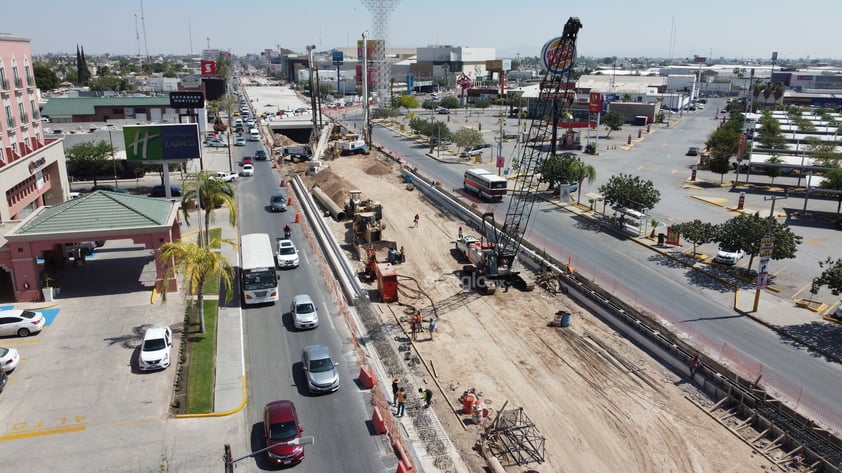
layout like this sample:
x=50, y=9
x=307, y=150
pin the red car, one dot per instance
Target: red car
x=280, y=426
x=247, y=160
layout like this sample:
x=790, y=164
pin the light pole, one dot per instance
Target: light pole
x=229, y=462
x=113, y=159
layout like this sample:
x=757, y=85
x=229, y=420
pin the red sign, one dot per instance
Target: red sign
x=501, y=161
x=595, y=102
x=741, y=146
x=208, y=68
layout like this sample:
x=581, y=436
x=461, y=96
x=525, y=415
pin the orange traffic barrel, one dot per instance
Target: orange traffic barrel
x=297, y=218
x=468, y=401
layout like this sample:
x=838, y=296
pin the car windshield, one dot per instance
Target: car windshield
x=278, y=198
x=287, y=250
x=321, y=365
x=305, y=308
x=154, y=344
x=260, y=280
x=283, y=431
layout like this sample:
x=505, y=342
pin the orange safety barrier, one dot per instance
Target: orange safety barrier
x=378, y=422
x=289, y=201
x=402, y=468
x=297, y=218
x=366, y=379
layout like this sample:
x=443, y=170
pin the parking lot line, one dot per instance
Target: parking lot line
x=16, y=434
x=141, y=421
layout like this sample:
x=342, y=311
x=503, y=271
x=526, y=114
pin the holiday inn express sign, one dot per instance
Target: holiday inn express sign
x=157, y=143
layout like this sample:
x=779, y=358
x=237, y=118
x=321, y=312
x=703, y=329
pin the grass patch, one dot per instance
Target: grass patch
x=211, y=285
x=202, y=358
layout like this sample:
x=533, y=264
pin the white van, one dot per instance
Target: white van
x=254, y=135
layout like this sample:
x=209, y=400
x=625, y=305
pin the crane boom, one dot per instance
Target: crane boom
x=556, y=95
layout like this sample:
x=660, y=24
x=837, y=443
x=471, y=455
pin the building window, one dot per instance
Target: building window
x=4, y=84
x=10, y=121
x=117, y=111
x=16, y=76
x=30, y=82
x=22, y=113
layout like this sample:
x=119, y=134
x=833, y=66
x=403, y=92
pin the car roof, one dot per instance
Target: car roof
x=286, y=242
x=317, y=351
x=281, y=411
x=155, y=332
x=302, y=299
x=17, y=313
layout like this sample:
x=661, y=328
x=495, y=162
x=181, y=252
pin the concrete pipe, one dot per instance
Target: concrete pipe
x=335, y=211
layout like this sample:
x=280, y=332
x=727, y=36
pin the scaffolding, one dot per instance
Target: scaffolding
x=513, y=439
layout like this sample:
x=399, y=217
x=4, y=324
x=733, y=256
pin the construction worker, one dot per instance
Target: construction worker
x=401, y=398
x=395, y=389
x=419, y=322
x=413, y=328
x=415, y=221
x=432, y=327
x=427, y=394
x=694, y=365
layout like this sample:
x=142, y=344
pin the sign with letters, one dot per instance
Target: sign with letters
x=208, y=68
x=159, y=143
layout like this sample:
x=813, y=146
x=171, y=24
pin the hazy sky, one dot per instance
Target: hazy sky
x=677, y=28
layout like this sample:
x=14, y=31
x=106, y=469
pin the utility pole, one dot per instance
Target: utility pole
x=767, y=246
x=501, y=121
x=366, y=125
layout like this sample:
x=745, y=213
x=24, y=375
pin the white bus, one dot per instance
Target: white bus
x=258, y=279
x=485, y=184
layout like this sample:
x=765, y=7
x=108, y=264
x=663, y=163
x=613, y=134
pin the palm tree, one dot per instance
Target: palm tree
x=777, y=91
x=211, y=192
x=197, y=263
x=758, y=89
x=579, y=171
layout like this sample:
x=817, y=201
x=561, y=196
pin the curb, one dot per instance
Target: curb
x=219, y=414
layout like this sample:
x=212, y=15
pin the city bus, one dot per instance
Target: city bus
x=258, y=279
x=485, y=184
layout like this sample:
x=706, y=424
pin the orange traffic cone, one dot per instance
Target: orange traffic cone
x=289, y=201
x=297, y=217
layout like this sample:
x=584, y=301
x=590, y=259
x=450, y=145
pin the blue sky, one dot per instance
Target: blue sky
x=717, y=28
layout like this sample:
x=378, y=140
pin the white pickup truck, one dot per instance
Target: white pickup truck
x=226, y=176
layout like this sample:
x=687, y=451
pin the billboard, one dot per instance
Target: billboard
x=558, y=55
x=375, y=49
x=159, y=143
x=187, y=99
x=208, y=68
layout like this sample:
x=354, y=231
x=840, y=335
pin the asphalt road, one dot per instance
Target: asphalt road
x=696, y=305
x=337, y=420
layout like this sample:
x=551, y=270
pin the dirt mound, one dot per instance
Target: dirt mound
x=334, y=186
x=378, y=168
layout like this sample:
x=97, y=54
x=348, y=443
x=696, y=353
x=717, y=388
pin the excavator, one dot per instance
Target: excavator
x=494, y=255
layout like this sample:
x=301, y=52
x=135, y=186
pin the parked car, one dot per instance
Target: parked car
x=278, y=203
x=729, y=256
x=248, y=170
x=160, y=191
x=20, y=322
x=304, y=312
x=280, y=427
x=474, y=151
x=216, y=144
x=109, y=188
x=693, y=151
x=4, y=378
x=320, y=369
x=9, y=359
x=155, y=350
x=247, y=160
x=442, y=111
x=226, y=176
x=260, y=155
x=240, y=142
x=85, y=248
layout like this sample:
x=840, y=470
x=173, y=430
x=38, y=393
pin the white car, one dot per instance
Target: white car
x=226, y=176
x=304, y=312
x=728, y=256
x=155, y=351
x=21, y=322
x=287, y=254
x=9, y=359
x=248, y=170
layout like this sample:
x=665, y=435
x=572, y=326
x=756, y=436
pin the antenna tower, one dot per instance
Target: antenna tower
x=143, y=22
x=137, y=36
x=380, y=11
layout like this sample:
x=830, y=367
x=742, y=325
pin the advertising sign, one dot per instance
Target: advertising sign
x=208, y=68
x=375, y=49
x=501, y=161
x=595, y=102
x=158, y=143
x=187, y=100
x=558, y=55
x=338, y=58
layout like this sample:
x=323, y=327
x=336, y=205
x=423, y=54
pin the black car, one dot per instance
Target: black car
x=260, y=155
x=693, y=151
x=160, y=191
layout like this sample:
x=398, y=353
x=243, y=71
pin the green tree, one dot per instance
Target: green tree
x=449, y=102
x=467, y=138
x=614, y=120
x=770, y=135
x=407, y=102
x=211, y=193
x=196, y=264
x=481, y=104
x=823, y=152
x=745, y=232
x=833, y=180
x=773, y=171
x=696, y=232
x=45, y=78
x=429, y=104
x=580, y=172
x=555, y=169
x=630, y=191
x=113, y=83
x=720, y=166
x=831, y=276
x=89, y=158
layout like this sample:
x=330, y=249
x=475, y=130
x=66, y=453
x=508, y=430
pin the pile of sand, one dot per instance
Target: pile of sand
x=331, y=184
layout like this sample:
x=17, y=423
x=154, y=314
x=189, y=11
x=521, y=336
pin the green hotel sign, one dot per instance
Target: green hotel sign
x=157, y=143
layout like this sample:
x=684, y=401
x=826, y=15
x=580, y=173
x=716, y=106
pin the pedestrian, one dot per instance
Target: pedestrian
x=401, y=402
x=419, y=322
x=460, y=232
x=694, y=365
x=395, y=390
x=415, y=221
x=427, y=394
x=432, y=327
x=412, y=329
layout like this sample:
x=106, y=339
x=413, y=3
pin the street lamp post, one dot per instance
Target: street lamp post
x=113, y=159
x=229, y=462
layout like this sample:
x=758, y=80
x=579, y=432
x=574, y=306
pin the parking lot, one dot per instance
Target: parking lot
x=79, y=376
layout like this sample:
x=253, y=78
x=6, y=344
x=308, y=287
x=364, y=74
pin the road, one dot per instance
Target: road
x=692, y=303
x=337, y=420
